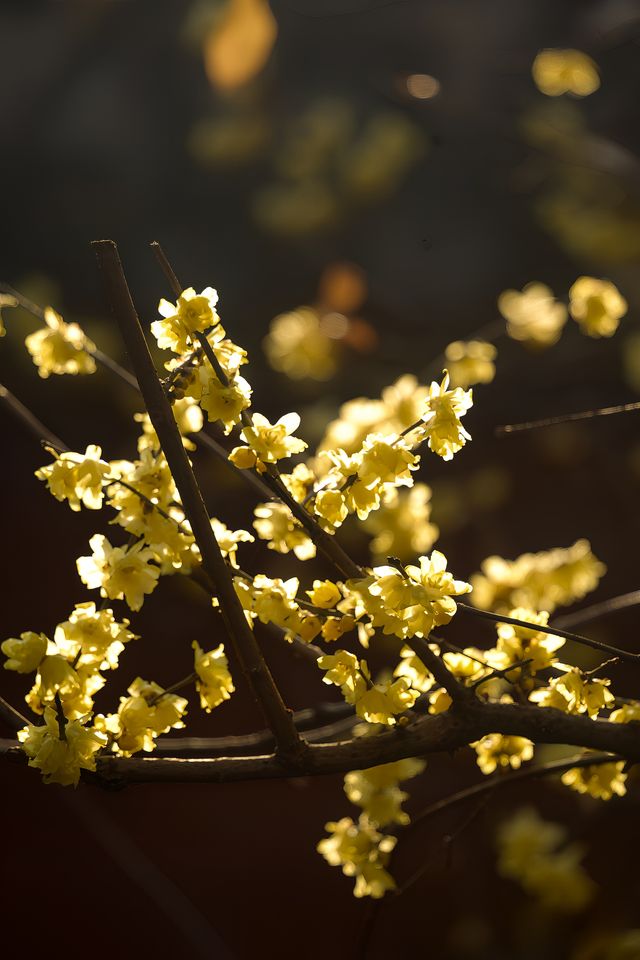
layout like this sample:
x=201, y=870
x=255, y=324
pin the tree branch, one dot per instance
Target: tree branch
x=550, y=629
x=445, y=732
x=278, y=718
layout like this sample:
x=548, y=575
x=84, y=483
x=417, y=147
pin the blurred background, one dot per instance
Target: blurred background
x=379, y=173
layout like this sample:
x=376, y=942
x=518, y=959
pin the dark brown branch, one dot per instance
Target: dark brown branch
x=445, y=732
x=550, y=629
x=241, y=636
x=439, y=669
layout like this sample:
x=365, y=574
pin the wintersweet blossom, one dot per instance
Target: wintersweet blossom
x=269, y=442
x=565, y=71
x=573, y=693
x=92, y=637
x=533, y=315
x=214, y=683
x=192, y=313
x=539, y=581
x=145, y=714
x=601, y=781
x=362, y=852
x=25, y=653
x=61, y=758
x=79, y=478
x=443, y=409
x=275, y=523
x=533, y=852
x=374, y=702
x=417, y=599
x=532, y=649
x=60, y=347
x=496, y=750
x=597, y=305
x=120, y=572
x=377, y=792
x=470, y=362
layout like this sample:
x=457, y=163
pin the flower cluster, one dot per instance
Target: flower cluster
x=379, y=702
x=534, y=853
x=60, y=347
x=539, y=581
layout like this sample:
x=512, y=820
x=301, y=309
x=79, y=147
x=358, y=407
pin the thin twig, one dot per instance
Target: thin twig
x=597, y=610
x=11, y=716
x=509, y=779
x=29, y=419
x=550, y=629
x=508, y=428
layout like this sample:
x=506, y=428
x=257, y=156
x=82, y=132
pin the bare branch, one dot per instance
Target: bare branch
x=550, y=629
x=566, y=418
x=240, y=634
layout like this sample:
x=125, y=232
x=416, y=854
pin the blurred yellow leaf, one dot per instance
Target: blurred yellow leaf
x=238, y=47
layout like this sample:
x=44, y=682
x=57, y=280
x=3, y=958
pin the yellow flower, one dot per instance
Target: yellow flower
x=61, y=761
x=571, y=693
x=298, y=346
x=193, y=313
x=25, y=653
x=331, y=506
x=343, y=669
x=77, y=477
x=362, y=853
x=93, y=636
x=496, y=750
x=516, y=644
x=533, y=316
x=376, y=790
x=142, y=716
x=214, y=683
x=228, y=540
x=418, y=600
x=273, y=441
x=325, y=594
x=188, y=417
x=444, y=431
x=414, y=670
x=565, y=71
x=539, y=581
x=60, y=347
x=470, y=362
x=220, y=402
x=76, y=687
x=119, y=572
x=600, y=781
x=383, y=702
x=597, y=305
x=275, y=522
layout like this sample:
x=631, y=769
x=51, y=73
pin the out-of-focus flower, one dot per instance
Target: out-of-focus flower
x=533, y=315
x=60, y=347
x=531, y=852
x=565, y=71
x=597, y=305
x=239, y=43
x=470, y=362
x=298, y=346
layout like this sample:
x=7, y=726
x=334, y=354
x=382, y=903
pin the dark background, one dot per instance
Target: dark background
x=104, y=111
